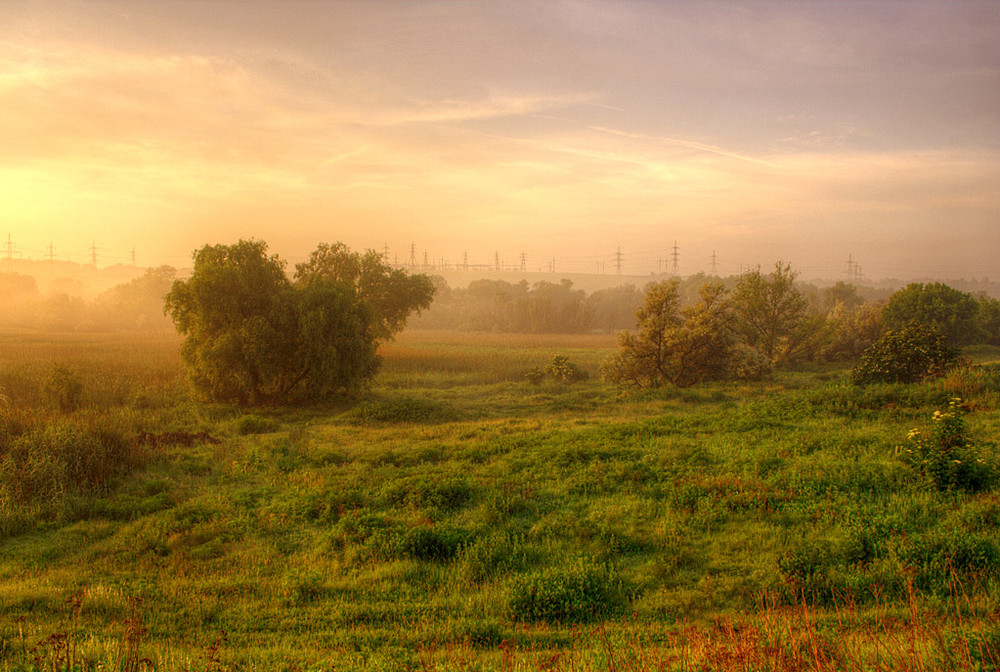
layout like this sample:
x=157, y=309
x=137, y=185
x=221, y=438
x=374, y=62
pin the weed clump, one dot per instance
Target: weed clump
x=577, y=592
x=940, y=559
x=535, y=375
x=564, y=371
x=947, y=457
x=50, y=460
x=559, y=370
x=401, y=410
x=64, y=388
x=435, y=543
x=254, y=424
x=493, y=556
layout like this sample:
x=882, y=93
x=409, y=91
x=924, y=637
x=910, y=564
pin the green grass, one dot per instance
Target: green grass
x=457, y=515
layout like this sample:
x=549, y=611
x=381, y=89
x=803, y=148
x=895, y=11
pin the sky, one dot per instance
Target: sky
x=565, y=131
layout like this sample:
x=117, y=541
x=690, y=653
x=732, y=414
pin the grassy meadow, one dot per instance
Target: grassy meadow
x=456, y=516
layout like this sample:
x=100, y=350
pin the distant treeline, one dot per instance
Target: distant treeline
x=483, y=305
x=542, y=308
x=559, y=308
x=133, y=305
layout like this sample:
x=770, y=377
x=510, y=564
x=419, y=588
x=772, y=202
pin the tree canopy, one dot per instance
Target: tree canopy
x=771, y=314
x=391, y=293
x=951, y=312
x=253, y=336
x=673, y=345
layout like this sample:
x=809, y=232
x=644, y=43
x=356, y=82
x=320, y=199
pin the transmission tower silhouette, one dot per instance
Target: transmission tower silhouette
x=715, y=264
x=675, y=258
x=618, y=261
x=93, y=253
x=853, y=270
x=10, y=248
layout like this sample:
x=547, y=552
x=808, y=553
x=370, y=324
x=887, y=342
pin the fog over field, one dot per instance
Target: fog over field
x=528, y=135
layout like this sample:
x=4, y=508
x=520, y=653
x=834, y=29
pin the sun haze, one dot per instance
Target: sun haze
x=563, y=131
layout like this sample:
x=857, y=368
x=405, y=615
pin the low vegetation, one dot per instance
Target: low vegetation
x=456, y=516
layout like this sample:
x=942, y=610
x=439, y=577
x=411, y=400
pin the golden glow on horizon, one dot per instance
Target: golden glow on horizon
x=104, y=139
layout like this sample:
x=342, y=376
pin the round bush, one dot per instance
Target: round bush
x=907, y=355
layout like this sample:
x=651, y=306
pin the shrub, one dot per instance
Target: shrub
x=562, y=370
x=907, y=355
x=63, y=387
x=577, y=592
x=947, y=457
x=748, y=365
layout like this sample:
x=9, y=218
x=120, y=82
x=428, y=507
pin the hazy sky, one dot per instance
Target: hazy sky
x=803, y=131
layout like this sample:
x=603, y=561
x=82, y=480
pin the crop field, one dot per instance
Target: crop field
x=457, y=516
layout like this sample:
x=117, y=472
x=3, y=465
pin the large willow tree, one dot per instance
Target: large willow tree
x=255, y=337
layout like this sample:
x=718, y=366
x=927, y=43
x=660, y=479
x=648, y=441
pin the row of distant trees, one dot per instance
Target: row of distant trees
x=541, y=308
x=133, y=305
x=560, y=308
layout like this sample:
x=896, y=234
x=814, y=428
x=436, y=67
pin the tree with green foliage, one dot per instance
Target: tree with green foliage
x=137, y=304
x=771, y=316
x=392, y=294
x=949, y=311
x=671, y=345
x=843, y=294
x=255, y=337
x=851, y=331
x=906, y=355
x=988, y=319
